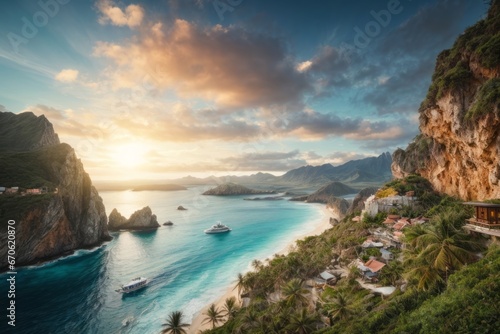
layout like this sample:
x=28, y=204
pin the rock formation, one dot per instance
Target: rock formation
x=459, y=145
x=358, y=203
x=116, y=219
x=52, y=224
x=338, y=206
x=180, y=207
x=232, y=189
x=143, y=219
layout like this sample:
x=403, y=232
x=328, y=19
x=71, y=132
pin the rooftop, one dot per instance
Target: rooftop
x=374, y=265
x=486, y=205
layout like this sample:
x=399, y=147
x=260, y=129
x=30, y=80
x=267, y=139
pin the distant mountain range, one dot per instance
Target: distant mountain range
x=373, y=169
x=356, y=173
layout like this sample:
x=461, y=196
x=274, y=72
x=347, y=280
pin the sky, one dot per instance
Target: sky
x=152, y=89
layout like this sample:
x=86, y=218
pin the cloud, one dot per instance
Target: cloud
x=226, y=65
x=339, y=158
x=67, y=75
x=331, y=67
x=67, y=125
x=183, y=124
x=431, y=28
x=400, y=91
x=264, y=161
x=403, y=61
x=132, y=16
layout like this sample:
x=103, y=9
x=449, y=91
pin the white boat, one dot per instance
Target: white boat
x=133, y=285
x=217, y=228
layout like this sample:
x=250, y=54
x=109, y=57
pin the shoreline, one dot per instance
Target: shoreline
x=198, y=318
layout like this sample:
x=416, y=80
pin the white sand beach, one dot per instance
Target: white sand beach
x=197, y=323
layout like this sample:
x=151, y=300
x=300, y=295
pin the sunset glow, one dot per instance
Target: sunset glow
x=185, y=87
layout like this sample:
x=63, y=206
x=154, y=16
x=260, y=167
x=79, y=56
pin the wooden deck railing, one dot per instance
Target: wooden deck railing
x=474, y=221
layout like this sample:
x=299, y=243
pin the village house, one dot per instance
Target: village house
x=12, y=190
x=386, y=254
x=34, y=191
x=370, y=270
x=375, y=205
x=486, y=219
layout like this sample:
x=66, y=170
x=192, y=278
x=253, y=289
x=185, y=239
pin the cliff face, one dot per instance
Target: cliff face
x=458, y=149
x=52, y=224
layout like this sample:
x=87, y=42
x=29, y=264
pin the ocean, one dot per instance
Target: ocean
x=188, y=269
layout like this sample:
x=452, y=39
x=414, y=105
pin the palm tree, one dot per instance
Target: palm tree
x=230, y=308
x=340, y=307
x=439, y=248
x=303, y=322
x=249, y=321
x=294, y=293
x=257, y=264
x=214, y=316
x=240, y=284
x=174, y=324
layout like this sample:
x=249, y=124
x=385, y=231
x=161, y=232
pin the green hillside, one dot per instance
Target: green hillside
x=32, y=169
x=435, y=294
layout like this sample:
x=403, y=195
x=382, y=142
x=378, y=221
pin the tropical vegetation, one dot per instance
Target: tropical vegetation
x=439, y=259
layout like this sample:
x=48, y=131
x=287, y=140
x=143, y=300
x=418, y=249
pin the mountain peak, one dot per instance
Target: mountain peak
x=25, y=132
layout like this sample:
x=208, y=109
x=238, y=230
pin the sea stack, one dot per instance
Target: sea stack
x=143, y=219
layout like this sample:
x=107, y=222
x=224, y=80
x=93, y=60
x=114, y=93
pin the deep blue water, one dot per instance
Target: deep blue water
x=188, y=268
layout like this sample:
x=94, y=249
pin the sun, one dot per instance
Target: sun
x=129, y=155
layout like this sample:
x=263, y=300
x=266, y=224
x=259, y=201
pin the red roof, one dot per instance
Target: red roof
x=374, y=265
x=399, y=225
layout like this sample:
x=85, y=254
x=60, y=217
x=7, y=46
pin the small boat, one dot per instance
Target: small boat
x=217, y=228
x=133, y=285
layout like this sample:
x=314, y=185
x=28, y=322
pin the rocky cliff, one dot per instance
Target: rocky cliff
x=69, y=216
x=459, y=145
x=358, y=203
x=143, y=219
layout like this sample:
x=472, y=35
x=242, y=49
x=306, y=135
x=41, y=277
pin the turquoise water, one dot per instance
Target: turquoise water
x=188, y=268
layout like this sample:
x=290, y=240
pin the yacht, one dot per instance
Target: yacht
x=217, y=228
x=133, y=285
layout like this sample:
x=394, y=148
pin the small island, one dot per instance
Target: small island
x=233, y=189
x=180, y=207
x=268, y=198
